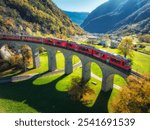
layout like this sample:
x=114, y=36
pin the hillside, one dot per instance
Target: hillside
x=77, y=17
x=35, y=17
x=122, y=15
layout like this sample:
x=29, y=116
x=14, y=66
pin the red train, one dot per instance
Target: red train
x=104, y=56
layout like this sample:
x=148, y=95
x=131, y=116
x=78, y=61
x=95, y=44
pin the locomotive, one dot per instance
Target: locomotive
x=112, y=59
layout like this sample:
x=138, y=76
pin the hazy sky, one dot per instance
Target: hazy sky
x=78, y=5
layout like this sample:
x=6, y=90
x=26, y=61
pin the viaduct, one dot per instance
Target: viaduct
x=107, y=70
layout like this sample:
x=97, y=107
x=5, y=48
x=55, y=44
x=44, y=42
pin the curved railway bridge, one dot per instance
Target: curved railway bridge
x=108, y=70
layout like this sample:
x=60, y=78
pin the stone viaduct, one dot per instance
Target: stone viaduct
x=107, y=70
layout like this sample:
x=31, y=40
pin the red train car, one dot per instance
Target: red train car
x=85, y=49
x=113, y=59
x=99, y=54
x=32, y=39
x=120, y=61
x=10, y=37
x=72, y=46
x=48, y=41
x=60, y=43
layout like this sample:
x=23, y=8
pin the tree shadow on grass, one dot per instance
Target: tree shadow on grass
x=45, y=98
x=101, y=104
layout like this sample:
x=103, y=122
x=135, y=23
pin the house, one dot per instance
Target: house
x=92, y=39
x=114, y=43
x=104, y=43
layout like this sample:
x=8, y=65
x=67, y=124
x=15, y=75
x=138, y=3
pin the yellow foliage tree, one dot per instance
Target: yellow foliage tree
x=134, y=98
x=9, y=22
x=28, y=30
x=126, y=46
x=26, y=56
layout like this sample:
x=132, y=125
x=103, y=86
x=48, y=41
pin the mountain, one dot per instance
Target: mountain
x=77, y=17
x=35, y=17
x=119, y=15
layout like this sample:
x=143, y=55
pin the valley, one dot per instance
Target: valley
x=90, y=42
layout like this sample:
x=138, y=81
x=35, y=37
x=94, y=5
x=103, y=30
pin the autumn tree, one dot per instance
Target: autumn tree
x=80, y=91
x=134, y=98
x=26, y=56
x=42, y=50
x=126, y=46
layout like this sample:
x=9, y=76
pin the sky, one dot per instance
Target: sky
x=78, y=5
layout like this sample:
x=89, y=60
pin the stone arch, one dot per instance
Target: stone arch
x=71, y=65
x=108, y=81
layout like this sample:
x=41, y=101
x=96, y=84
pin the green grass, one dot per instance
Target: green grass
x=60, y=61
x=141, y=63
x=114, y=93
x=43, y=65
x=44, y=94
x=10, y=106
x=96, y=69
x=49, y=94
x=118, y=80
x=63, y=87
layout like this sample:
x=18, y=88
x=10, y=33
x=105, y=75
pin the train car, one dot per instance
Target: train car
x=85, y=49
x=32, y=39
x=72, y=46
x=60, y=43
x=121, y=62
x=48, y=41
x=10, y=37
x=113, y=59
x=100, y=54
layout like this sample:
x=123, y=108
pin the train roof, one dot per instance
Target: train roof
x=116, y=55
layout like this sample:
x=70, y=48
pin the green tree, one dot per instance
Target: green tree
x=126, y=46
x=134, y=98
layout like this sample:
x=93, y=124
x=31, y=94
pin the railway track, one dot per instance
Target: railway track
x=138, y=75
